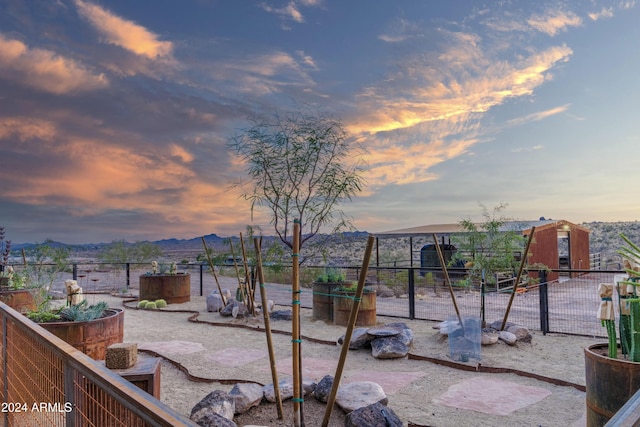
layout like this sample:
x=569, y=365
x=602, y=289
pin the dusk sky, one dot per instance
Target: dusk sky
x=115, y=114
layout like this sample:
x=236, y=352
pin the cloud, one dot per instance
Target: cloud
x=288, y=12
x=400, y=30
x=45, y=70
x=554, y=21
x=26, y=128
x=604, y=13
x=528, y=149
x=126, y=34
x=539, y=115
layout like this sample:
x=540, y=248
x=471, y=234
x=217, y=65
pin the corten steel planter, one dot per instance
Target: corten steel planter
x=323, y=294
x=19, y=299
x=173, y=288
x=93, y=336
x=343, y=302
x=609, y=382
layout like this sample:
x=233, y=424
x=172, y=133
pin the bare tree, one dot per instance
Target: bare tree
x=301, y=166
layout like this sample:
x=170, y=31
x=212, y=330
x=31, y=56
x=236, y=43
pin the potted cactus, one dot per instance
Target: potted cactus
x=612, y=369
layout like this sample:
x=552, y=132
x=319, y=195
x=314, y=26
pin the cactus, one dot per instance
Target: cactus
x=150, y=305
x=161, y=303
x=142, y=303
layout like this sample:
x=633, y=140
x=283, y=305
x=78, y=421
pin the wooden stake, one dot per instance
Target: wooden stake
x=235, y=264
x=295, y=335
x=445, y=272
x=247, y=279
x=350, y=326
x=515, y=286
x=213, y=270
x=267, y=327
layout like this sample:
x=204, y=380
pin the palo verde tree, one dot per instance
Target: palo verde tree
x=490, y=246
x=301, y=166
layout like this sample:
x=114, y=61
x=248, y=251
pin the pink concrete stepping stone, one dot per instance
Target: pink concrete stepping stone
x=236, y=356
x=390, y=382
x=491, y=396
x=177, y=347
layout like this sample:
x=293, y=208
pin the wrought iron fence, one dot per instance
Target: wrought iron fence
x=46, y=382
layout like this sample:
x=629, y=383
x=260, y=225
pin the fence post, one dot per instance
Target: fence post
x=75, y=271
x=412, y=293
x=201, y=277
x=128, y=274
x=544, y=302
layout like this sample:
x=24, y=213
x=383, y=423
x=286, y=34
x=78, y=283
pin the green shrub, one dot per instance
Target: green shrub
x=142, y=303
x=161, y=303
x=151, y=305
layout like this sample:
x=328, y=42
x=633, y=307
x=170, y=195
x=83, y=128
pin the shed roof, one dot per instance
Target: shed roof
x=457, y=228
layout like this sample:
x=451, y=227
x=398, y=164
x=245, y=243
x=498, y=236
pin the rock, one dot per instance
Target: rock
x=286, y=389
x=373, y=415
x=214, y=420
x=214, y=302
x=228, y=309
x=215, y=403
x=281, y=315
x=360, y=394
x=246, y=396
x=359, y=339
x=384, y=331
x=323, y=388
x=507, y=337
x=449, y=326
x=489, y=336
x=520, y=332
x=389, y=348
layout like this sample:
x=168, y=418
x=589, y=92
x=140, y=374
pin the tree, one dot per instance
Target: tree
x=489, y=247
x=301, y=166
x=120, y=252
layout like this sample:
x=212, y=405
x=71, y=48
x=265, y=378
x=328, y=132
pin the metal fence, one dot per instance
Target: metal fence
x=46, y=382
x=567, y=305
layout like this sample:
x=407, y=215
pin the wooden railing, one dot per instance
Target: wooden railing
x=46, y=382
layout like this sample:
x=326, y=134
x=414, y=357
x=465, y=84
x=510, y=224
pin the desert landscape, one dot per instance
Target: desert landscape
x=539, y=383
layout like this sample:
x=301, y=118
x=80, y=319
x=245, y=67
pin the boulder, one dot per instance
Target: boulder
x=373, y=415
x=521, y=333
x=359, y=339
x=214, y=420
x=214, y=302
x=215, y=403
x=507, y=337
x=246, y=396
x=323, y=388
x=489, y=336
x=384, y=331
x=281, y=315
x=360, y=394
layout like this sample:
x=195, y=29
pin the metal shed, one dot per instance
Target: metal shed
x=557, y=243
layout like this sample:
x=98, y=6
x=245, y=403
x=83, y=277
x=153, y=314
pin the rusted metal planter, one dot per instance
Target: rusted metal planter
x=609, y=383
x=19, y=299
x=91, y=337
x=323, y=294
x=173, y=288
x=343, y=302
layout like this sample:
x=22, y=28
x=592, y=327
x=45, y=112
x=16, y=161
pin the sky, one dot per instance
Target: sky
x=115, y=115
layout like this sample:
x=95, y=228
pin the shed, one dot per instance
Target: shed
x=557, y=243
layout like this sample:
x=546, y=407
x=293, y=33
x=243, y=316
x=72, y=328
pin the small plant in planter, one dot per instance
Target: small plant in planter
x=628, y=303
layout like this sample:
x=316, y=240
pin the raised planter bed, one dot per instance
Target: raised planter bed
x=173, y=288
x=91, y=337
x=343, y=302
x=19, y=299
